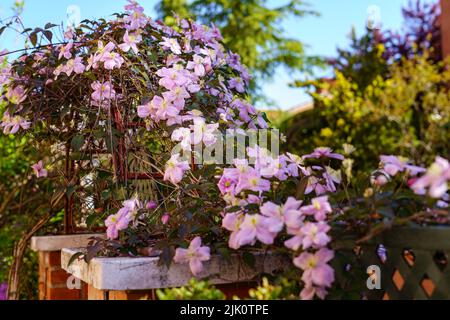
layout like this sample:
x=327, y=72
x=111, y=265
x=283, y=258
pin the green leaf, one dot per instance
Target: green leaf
x=90, y=220
x=75, y=257
x=106, y=194
x=249, y=259
x=77, y=142
x=264, y=115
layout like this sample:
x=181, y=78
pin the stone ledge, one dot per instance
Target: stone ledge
x=146, y=273
x=56, y=243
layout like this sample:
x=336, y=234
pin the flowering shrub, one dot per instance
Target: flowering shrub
x=196, y=290
x=130, y=83
x=131, y=94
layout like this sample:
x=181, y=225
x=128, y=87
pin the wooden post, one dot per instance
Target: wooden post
x=445, y=25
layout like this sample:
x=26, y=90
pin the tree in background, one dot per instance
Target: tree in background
x=251, y=29
x=364, y=60
x=368, y=56
x=421, y=32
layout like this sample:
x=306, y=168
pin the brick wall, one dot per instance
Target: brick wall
x=53, y=279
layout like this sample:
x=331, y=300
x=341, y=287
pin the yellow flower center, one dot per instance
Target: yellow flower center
x=435, y=170
x=316, y=205
x=254, y=181
x=312, y=263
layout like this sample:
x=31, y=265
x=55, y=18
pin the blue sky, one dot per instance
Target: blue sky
x=322, y=34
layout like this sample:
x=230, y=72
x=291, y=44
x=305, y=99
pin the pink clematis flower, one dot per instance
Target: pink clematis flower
x=146, y=110
x=324, y=153
x=436, y=179
x=112, y=60
x=121, y=220
x=254, y=227
x=130, y=41
x=116, y=223
x=309, y=292
x=91, y=63
x=315, y=235
x=228, y=181
x=275, y=216
x=16, y=95
x=39, y=170
x=171, y=44
x=64, y=51
x=133, y=5
x=164, y=109
x=331, y=178
x=136, y=18
x=296, y=241
x=197, y=64
x=102, y=51
x=74, y=65
x=266, y=165
x=279, y=215
x=238, y=84
x=319, y=208
x=393, y=165
x=316, y=269
x=11, y=125
x=253, y=181
x=175, y=169
x=184, y=136
x=293, y=216
x=172, y=77
x=295, y=163
x=103, y=92
x=177, y=97
x=78, y=66
x=232, y=222
x=316, y=185
x=195, y=255
x=204, y=133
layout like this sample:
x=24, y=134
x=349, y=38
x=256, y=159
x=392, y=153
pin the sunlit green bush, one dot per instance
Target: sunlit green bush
x=407, y=114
